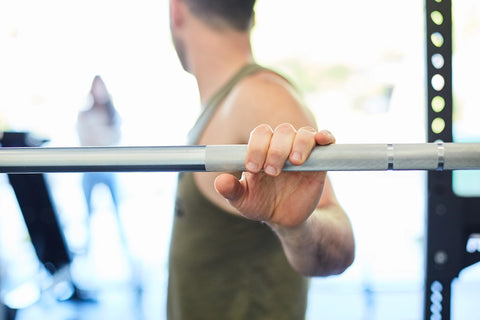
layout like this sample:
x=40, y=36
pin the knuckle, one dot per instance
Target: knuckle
x=262, y=129
x=256, y=150
x=307, y=130
x=305, y=136
x=285, y=128
x=275, y=154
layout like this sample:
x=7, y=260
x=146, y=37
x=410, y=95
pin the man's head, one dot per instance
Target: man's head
x=219, y=15
x=237, y=14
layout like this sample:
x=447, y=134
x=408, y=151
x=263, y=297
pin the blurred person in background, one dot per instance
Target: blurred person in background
x=100, y=126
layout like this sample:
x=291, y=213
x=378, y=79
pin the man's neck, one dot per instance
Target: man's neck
x=215, y=63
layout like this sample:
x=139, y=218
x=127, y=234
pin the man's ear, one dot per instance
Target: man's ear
x=177, y=8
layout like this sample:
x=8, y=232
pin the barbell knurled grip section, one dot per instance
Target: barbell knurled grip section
x=336, y=157
x=462, y=156
x=416, y=156
x=361, y=157
x=345, y=157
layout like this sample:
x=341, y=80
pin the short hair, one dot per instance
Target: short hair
x=234, y=13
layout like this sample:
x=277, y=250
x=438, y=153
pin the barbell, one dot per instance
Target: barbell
x=231, y=158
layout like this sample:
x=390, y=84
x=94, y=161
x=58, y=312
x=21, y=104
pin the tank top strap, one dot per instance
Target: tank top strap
x=212, y=105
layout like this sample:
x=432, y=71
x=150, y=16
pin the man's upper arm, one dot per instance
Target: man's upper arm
x=267, y=98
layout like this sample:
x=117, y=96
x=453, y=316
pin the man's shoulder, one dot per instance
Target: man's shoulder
x=266, y=89
x=264, y=97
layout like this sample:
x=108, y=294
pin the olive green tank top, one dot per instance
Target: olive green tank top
x=222, y=266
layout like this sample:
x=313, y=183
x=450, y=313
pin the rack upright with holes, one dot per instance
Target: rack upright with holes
x=450, y=219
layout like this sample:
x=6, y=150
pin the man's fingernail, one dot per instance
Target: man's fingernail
x=297, y=156
x=271, y=170
x=327, y=133
x=252, y=167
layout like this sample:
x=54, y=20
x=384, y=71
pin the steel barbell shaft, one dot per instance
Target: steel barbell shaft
x=231, y=158
x=91, y=159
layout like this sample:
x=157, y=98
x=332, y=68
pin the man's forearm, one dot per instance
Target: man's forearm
x=321, y=246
